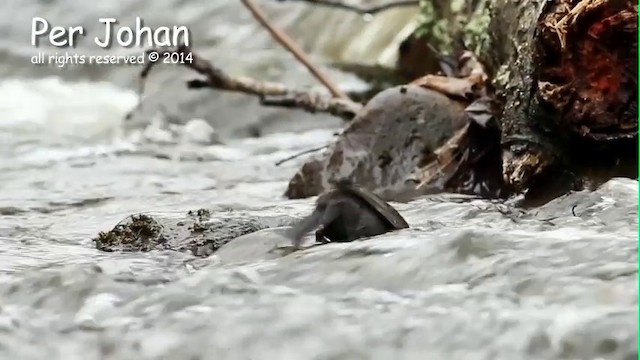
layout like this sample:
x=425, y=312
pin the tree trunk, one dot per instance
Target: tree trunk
x=570, y=90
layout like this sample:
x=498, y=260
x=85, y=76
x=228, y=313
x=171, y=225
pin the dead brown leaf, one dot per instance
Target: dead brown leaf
x=450, y=86
x=467, y=82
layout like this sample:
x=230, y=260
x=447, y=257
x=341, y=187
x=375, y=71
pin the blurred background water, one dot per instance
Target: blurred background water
x=471, y=279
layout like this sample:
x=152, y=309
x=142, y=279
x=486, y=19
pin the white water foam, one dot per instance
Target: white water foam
x=55, y=107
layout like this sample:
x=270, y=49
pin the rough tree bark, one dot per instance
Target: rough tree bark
x=569, y=79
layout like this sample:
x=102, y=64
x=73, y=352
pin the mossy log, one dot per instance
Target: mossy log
x=571, y=99
x=565, y=77
x=566, y=72
x=199, y=232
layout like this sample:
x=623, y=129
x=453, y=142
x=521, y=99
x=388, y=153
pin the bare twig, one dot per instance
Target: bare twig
x=582, y=8
x=294, y=49
x=313, y=102
x=270, y=93
x=339, y=4
x=295, y=156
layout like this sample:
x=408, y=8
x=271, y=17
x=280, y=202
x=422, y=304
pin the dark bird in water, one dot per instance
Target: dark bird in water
x=347, y=213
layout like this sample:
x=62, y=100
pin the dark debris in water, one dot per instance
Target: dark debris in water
x=55, y=206
x=363, y=252
x=140, y=233
x=201, y=214
x=11, y=211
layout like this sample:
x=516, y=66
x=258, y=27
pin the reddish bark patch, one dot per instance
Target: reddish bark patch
x=587, y=52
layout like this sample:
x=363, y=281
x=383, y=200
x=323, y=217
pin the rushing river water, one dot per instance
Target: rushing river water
x=471, y=279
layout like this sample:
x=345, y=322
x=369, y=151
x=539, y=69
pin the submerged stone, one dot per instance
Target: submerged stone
x=200, y=232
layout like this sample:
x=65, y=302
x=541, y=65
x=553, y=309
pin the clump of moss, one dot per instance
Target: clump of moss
x=475, y=31
x=443, y=23
x=141, y=233
x=434, y=27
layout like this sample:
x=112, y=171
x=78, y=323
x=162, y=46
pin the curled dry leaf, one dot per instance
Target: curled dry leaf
x=438, y=172
x=465, y=78
x=465, y=162
x=450, y=86
x=448, y=63
x=472, y=68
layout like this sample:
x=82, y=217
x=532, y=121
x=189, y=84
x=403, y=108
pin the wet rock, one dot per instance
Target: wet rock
x=198, y=131
x=597, y=205
x=348, y=213
x=200, y=232
x=157, y=131
x=397, y=131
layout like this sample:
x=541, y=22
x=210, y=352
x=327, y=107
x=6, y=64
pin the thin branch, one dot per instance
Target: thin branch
x=295, y=156
x=294, y=49
x=270, y=93
x=362, y=10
